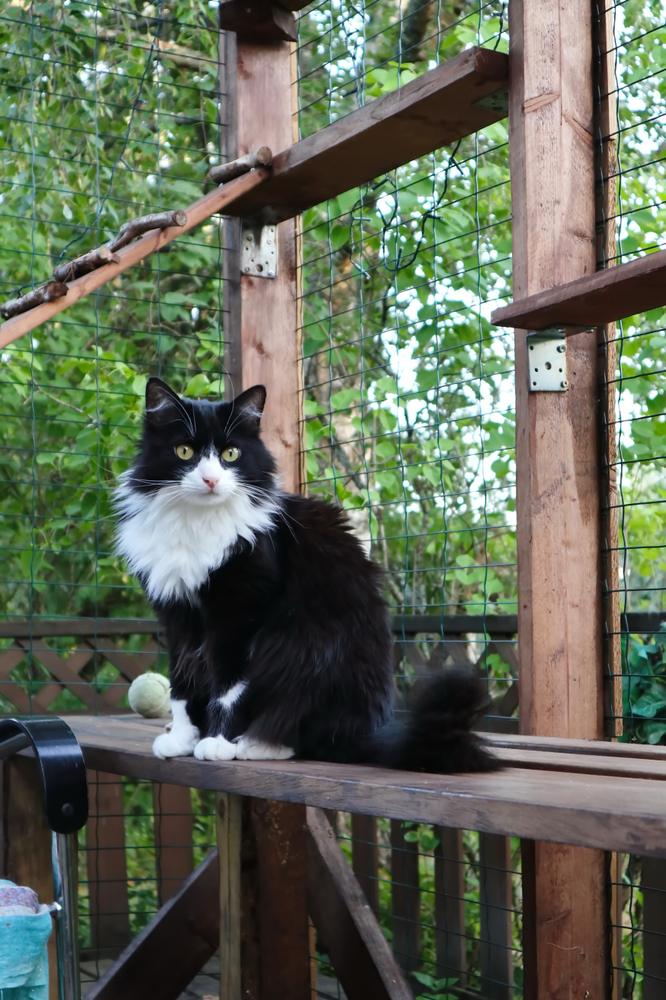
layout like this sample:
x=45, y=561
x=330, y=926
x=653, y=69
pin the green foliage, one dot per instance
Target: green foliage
x=106, y=113
x=409, y=405
x=644, y=689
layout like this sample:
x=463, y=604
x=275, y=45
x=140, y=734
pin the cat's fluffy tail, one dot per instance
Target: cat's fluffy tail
x=435, y=736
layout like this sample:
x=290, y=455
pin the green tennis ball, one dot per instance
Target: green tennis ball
x=149, y=696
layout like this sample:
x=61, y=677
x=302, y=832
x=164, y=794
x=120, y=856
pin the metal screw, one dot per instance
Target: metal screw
x=270, y=274
x=561, y=348
x=564, y=384
x=247, y=270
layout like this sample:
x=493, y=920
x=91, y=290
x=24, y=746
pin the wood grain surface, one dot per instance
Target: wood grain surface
x=269, y=345
x=560, y=610
x=591, y=810
x=594, y=299
x=439, y=107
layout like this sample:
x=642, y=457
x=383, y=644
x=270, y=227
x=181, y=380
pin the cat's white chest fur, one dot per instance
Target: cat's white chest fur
x=175, y=543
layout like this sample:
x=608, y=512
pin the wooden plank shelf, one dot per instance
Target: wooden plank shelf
x=594, y=299
x=436, y=109
x=594, y=807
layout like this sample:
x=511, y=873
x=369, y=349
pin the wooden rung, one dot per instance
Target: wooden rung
x=593, y=300
x=214, y=202
x=437, y=108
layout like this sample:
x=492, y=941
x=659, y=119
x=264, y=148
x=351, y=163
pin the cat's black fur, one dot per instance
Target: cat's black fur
x=298, y=615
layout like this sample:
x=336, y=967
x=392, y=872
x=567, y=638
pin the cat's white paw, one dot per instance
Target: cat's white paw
x=215, y=748
x=177, y=743
x=250, y=749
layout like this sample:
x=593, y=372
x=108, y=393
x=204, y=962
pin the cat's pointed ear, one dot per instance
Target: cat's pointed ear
x=250, y=404
x=163, y=405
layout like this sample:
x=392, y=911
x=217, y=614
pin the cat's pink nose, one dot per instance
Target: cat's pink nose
x=209, y=481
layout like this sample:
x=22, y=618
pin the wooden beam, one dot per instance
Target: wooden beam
x=495, y=903
x=106, y=865
x=213, y=203
x=453, y=625
x=653, y=887
x=592, y=300
x=560, y=620
x=450, y=937
x=365, y=857
x=228, y=823
x=167, y=954
x=280, y=836
x=268, y=332
x=405, y=899
x=346, y=925
x=436, y=109
x=613, y=813
x=174, y=853
x=26, y=839
x=606, y=116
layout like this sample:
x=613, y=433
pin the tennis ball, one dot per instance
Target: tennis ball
x=149, y=696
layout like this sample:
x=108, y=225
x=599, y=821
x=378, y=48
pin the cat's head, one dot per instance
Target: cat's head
x=201, y=452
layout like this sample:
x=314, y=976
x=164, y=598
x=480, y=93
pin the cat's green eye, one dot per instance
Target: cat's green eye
x=184, y=451
x=231, y=454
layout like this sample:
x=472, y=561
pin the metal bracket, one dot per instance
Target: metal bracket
x=497, y=101
x=258, y=249
x=547, y=361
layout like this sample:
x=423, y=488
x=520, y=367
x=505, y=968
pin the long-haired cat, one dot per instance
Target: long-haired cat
x=279, y=639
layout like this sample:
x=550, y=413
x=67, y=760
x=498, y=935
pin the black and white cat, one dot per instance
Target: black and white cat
x=278, y=637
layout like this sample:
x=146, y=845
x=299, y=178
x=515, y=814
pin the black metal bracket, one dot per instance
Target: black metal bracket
x=61, y=767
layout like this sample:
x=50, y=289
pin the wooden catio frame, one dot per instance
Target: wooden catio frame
x=571, y=798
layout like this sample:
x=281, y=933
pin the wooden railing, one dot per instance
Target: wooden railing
x=96, y=641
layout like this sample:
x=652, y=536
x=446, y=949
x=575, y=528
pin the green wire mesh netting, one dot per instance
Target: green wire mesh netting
x=107, y=112
x=637, y=92
x=408, y=401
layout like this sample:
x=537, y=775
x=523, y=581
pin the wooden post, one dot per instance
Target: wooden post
x=26, y=839
x=275, y=934
x=174, y=854
x=405, y=899
x=559, y=551
x=606, y=207
x=450, y=940
x=365, y=857
x=495, y=900
x=653, y=885
x=268, y=335
x=229, y=853
x=106, y=865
